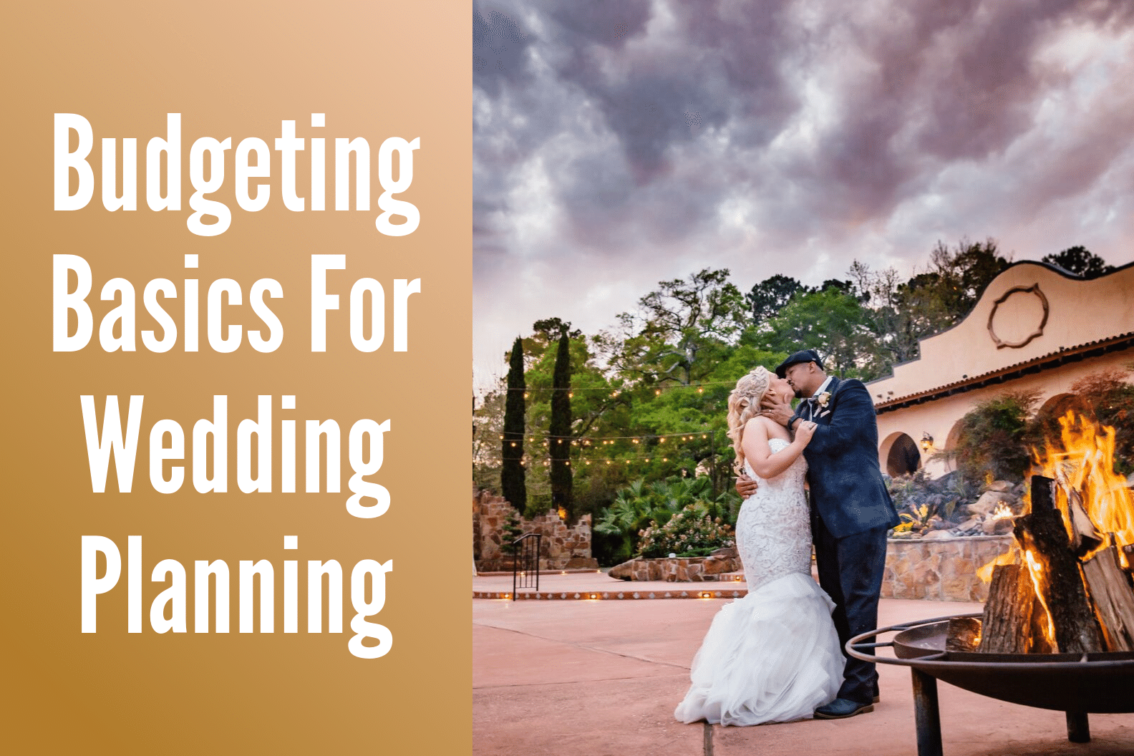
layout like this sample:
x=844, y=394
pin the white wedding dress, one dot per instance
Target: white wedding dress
x=774, y=655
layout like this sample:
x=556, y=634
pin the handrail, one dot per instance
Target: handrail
x=525, y=555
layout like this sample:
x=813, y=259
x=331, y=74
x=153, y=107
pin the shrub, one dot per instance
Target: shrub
x=642, y=505
x=690, y=532
x=992, y=440
x=510, y=530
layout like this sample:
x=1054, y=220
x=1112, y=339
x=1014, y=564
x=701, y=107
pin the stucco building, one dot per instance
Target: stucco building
x=1035, y=327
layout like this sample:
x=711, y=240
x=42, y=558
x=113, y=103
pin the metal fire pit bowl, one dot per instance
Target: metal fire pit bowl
x=1078, y=684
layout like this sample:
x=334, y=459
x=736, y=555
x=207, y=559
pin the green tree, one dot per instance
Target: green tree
x=1079, y=261
x=560, y=436
x=957, y=277
x=833, y=323
x=510, y=530
x=512, y=483
x=679, y=331
x=768, y=297
x=488, y=430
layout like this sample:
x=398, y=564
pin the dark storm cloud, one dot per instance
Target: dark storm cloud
x=500, y=50
x=654, y=137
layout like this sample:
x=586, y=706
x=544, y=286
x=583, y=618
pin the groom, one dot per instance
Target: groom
x=850, y=509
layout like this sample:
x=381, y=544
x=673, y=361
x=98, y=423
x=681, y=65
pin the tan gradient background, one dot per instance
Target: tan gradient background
x=377, y=69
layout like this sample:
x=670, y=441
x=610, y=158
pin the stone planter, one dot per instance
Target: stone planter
x=678, y=569
x=941, y=569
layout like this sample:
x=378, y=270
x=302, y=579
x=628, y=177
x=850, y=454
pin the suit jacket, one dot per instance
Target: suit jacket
x=847, y=490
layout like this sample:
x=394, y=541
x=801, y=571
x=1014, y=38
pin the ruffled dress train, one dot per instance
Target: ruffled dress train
x=774, y=655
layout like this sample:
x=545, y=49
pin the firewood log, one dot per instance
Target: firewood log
x=963, y=634
x=1085, y=537
x=1007, y=624
x=1113, y=598
x=1043, y=533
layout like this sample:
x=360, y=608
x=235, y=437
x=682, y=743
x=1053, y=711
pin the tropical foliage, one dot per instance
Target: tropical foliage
x=642, y=506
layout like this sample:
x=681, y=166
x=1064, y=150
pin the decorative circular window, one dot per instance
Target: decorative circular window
x=1018, y=316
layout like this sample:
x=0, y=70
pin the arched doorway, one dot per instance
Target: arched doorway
x=951, y=442
x=901, y=454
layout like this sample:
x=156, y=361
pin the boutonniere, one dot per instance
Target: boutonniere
x=823, y=398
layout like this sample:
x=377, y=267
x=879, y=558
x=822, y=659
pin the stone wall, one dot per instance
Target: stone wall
x=679, y=569
x=562, y=547
x=942, y=569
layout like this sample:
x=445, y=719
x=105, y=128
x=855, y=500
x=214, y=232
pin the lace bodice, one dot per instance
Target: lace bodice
x=773, y=531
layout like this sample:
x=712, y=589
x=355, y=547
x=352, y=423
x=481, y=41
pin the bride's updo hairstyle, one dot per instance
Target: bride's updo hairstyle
x=743, y=405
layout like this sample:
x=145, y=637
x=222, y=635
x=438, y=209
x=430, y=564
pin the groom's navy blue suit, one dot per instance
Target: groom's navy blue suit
x=850, y=514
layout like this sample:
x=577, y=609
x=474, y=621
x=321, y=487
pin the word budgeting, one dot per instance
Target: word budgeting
x=169, y=609
x=250, y=161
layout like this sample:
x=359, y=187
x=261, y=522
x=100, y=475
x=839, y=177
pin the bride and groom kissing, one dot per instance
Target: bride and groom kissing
x=776, y=655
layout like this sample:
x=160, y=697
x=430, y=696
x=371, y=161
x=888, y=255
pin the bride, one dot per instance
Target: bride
x=774, y=655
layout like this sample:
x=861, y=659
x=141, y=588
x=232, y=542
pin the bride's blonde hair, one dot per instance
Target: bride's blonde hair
x=743, y=405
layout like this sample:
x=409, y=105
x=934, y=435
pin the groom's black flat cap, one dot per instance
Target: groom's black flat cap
x=807, y=355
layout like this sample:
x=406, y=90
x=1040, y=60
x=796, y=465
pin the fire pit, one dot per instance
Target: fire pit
x=1078, y=684
x=1057, y=631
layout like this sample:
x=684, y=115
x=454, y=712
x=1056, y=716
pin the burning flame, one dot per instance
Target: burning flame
x=1002, y=512
x=1009, y=557
x=1084, y=461
x=1035, y=569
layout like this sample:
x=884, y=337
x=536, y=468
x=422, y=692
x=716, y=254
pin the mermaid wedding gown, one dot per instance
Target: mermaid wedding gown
x=774, y=655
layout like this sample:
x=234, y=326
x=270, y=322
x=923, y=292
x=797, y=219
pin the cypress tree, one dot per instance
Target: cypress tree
x=512, y=485
x=560, y=427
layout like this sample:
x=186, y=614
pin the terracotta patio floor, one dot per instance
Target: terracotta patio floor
x=598, y=678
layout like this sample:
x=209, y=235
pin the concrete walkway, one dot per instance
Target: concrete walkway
x=598, y=678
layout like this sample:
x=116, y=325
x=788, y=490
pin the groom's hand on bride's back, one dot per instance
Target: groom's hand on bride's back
x=745, y=486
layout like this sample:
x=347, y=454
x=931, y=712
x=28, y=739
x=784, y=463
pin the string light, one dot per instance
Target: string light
x=660, y=437
x=571, y=390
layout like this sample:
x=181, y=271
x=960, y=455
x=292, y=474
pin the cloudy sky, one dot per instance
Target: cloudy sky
x=622, y=142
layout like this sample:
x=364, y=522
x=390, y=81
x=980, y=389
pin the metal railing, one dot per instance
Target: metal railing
x=525, y=562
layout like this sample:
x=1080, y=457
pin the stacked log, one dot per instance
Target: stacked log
x=1068, y=594
x=1006, y=627
x=1110, y=590
x=1042, y=533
